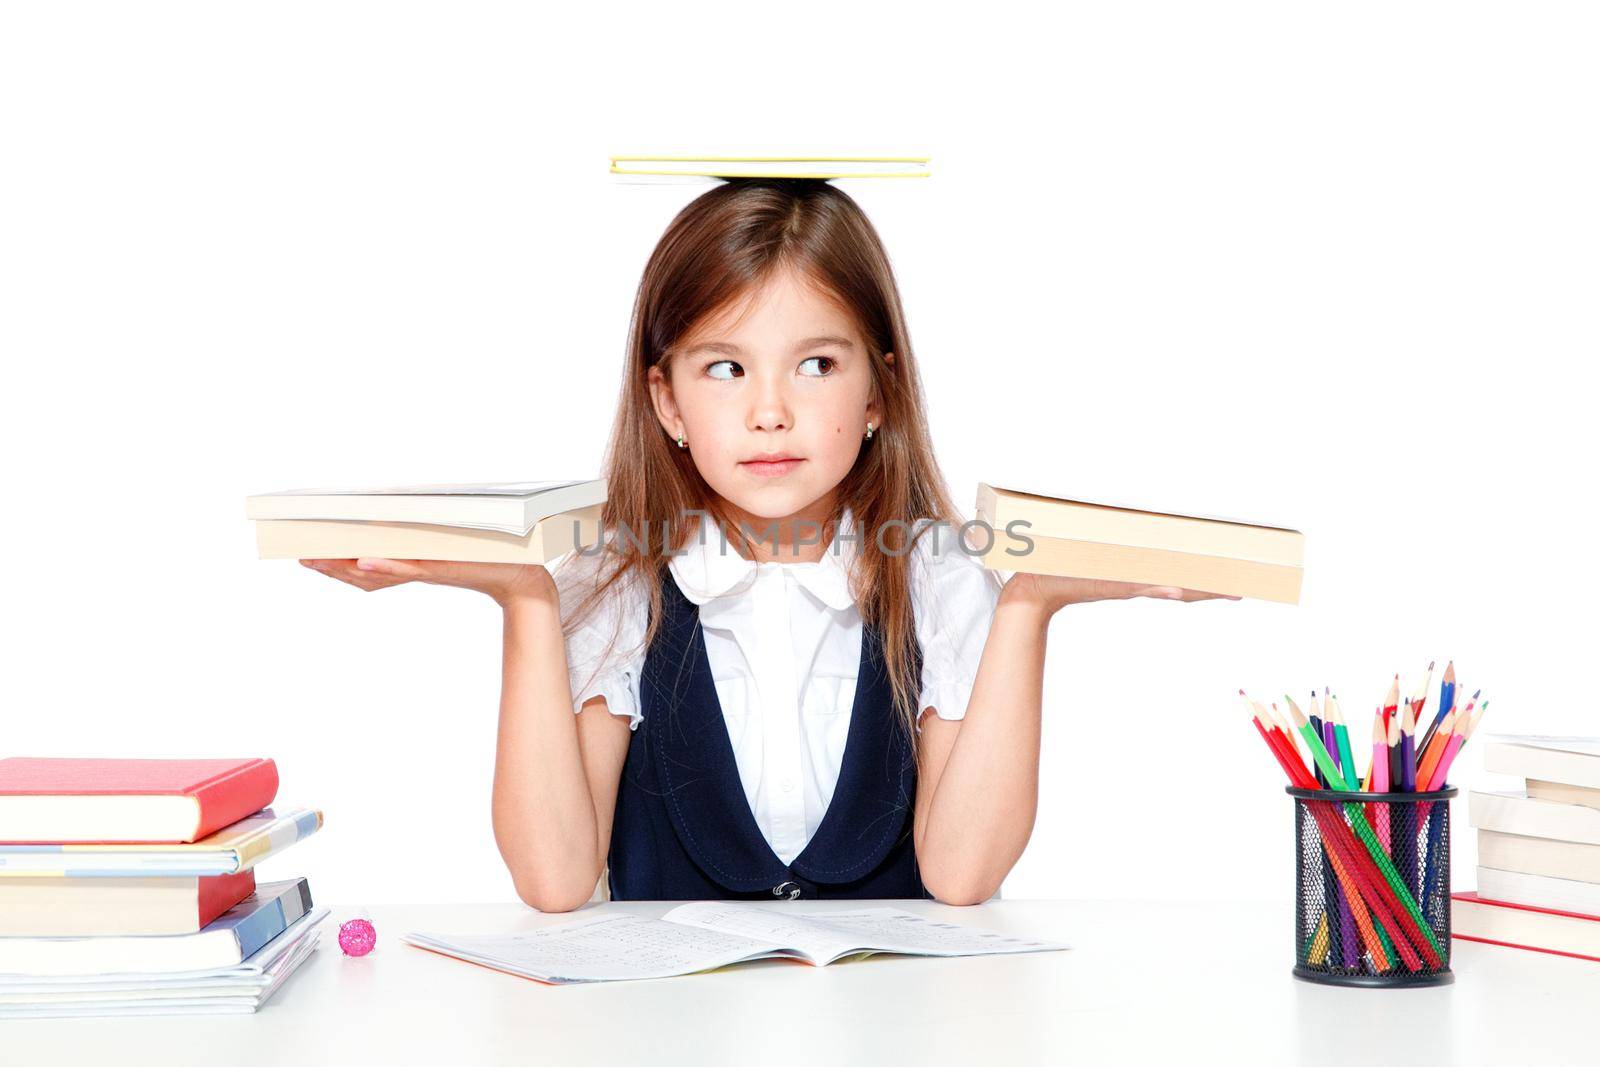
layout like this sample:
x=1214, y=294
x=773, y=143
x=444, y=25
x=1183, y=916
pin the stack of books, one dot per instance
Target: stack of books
x=128, y=887
x=500, y=522
x=1538, y=849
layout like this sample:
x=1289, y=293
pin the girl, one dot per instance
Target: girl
x=753, y=654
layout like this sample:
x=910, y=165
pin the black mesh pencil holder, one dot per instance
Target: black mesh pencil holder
x=1372, y=887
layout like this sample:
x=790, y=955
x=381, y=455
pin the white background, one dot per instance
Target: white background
x=1330, y=267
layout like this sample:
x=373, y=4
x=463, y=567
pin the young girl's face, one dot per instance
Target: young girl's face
x=772, y=396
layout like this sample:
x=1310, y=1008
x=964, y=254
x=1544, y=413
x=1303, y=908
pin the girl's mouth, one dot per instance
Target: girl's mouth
x=771, y=468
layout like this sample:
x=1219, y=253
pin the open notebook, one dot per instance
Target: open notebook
x=710, y=934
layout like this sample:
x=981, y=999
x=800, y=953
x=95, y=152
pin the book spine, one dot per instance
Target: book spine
x=225, y=800
x=277, y=837
x=220, y=892
x=255, y=930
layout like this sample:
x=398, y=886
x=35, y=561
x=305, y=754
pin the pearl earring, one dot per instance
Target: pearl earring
x=680, y=442
x=869, y=431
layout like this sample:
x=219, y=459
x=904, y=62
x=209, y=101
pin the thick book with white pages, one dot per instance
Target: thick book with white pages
x=1513, y=813
x=1539, y=891
x=643, y=168
x=1567, y=760
x=706, y=935
x=1498, y=922
x=1561, y=793
x=509, y=507
x=1039, y=534
x=1539, y=855
x=552, y=537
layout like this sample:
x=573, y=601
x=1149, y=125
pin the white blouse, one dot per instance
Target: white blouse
x=783, y=641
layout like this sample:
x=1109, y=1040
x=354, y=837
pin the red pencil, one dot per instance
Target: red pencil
x=1391, y=703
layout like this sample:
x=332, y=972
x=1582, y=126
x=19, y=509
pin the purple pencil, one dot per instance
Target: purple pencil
x=1347, y=921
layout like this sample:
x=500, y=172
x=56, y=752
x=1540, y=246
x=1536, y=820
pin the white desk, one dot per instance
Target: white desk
x=1137, y=987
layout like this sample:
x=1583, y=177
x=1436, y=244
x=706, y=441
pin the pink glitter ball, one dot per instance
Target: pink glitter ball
x=357, y=937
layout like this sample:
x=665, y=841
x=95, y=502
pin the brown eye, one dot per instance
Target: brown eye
x=825, y=366
x=724, y=368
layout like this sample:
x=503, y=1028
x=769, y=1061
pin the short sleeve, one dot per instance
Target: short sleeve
x=954, y=598
x=605, y=651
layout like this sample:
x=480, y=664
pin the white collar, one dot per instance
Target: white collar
x=710, y=567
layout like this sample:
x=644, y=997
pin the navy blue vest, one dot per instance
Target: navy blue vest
x=683, y=829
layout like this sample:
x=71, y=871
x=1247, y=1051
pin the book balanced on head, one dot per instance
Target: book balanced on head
x=501, y=522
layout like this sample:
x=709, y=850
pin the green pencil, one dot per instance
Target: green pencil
x=1342, y=733
x=1314, y=743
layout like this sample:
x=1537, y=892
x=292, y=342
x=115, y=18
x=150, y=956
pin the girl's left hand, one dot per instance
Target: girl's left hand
x=1052, y=593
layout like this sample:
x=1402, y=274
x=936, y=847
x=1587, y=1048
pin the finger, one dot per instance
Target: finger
x=345, y=571
x=405, y=569
x=1106, y=590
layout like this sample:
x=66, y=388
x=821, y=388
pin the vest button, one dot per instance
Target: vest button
x=790, y=889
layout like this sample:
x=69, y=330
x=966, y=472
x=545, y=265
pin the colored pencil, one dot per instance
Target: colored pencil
x=1447, y=703
x=1289, y=761
x=1289, y=742
x=1422, y=694
x=1408, y=750
x=1392, y=701
x=1380, y=776
x=1347, y=922
x=1431, y=873
x=1341, y=733
x=1442, y=774
x=1435, y=748
x=1316, y=724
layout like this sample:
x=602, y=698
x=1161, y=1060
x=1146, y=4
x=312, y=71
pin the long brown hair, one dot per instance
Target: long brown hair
x=717, y=248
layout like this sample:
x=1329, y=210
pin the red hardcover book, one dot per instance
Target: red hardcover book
x=49, y=906
x=118, y=801
x=1499, y=922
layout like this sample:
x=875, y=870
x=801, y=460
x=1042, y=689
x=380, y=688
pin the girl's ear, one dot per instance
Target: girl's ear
x=661, y=399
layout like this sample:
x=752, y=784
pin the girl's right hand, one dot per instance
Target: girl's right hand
x=502, y=582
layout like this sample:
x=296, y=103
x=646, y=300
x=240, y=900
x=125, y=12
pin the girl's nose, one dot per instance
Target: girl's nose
x=771, y=410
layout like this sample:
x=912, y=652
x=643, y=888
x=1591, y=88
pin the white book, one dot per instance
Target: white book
x=644, y=168
x=1562, y=793
x=1517, y=927
x=509, y=507
x=251, y=972
x=1539, y=891
x=1514, y=813
x=220, y=995
x=709, y=934
x=1539, y=855
x=1567, y=760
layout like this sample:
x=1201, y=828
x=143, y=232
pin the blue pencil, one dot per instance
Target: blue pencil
x=1447, y=700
